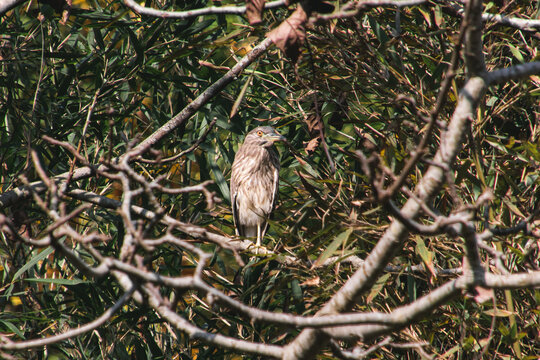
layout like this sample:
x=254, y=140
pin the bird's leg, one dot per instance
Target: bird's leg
x=258, y=239
x=258, y=235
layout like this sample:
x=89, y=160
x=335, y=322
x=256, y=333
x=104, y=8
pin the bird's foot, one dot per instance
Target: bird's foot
x=254, y=248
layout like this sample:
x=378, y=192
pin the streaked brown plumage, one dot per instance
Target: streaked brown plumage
x=255, y=181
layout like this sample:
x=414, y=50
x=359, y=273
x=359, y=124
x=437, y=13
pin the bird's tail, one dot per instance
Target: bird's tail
x=248, y=231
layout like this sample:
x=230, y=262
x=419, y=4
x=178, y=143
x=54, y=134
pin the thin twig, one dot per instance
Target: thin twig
x=7, y=344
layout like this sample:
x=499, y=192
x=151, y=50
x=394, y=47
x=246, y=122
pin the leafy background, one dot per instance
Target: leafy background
x=134, y=73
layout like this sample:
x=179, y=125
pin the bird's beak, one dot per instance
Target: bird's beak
x=274, y=137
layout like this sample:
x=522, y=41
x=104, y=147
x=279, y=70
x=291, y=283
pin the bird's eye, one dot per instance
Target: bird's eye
x=259, y=133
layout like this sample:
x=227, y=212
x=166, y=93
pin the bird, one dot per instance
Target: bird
x=255, y=182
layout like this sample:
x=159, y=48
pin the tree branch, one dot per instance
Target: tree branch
x=234, y=10
x=515, y=72
x=7, y=344
x=11, y=197
x=309, y=341
x=154, y=299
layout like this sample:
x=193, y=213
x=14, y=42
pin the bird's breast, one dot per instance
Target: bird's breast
x=254, y=175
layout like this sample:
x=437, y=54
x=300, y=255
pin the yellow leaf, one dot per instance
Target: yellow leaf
x=15, y=301
x=498, y=312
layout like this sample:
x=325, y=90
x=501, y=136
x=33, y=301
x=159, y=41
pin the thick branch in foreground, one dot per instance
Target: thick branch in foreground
x=308, y=343
x=402, y=316
x=7, y=5
x=513, y=73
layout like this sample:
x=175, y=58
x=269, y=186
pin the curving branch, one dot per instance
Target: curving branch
x=7, y=344
x=499, y=19
x=310, y=341
x=211, y=10
x=522, y=24
x=155, y=300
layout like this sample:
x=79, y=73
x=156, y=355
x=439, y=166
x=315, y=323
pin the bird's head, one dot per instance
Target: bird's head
x=263, y=136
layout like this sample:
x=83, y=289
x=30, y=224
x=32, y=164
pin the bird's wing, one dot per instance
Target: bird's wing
x=234, y=206
x=275, y=185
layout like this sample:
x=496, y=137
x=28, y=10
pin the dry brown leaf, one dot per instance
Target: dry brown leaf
x=312, y=122
x=312, y=145
x=254, y=10
x=482, y=294
x=212, y=66
x=66, y=12
x=315, y=281
x=290, y=34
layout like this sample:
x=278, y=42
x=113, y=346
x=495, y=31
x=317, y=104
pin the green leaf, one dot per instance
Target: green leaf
x=513, y=208
x=42, y=255
x=58, y=281
x=296, y=290
x=334, y=245
x=515, y=51
x=240, y=97
x=13, y=328
x=425, y=254
x=498, y=312
x=376, y=289
x=219, y=178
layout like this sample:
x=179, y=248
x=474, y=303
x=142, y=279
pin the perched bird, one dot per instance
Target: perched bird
x=255, y=181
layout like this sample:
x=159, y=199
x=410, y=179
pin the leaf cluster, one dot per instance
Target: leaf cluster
x=109, y=78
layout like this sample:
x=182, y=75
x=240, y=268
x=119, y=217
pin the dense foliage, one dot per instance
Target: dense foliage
x=108, y=78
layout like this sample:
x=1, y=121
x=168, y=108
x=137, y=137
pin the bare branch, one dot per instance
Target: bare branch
x=7, y=344
x=235, y=10
x=210, y=196
x=154, y=299
x=353, y=8
x=518, y=23
x=309, y=341
x=523, y=24
x=512, y=281
x=402, y=316
x=474, y=56
x=190, y=229
x=513, y=73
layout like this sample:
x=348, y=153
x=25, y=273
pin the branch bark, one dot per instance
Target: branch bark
x=181, y=15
